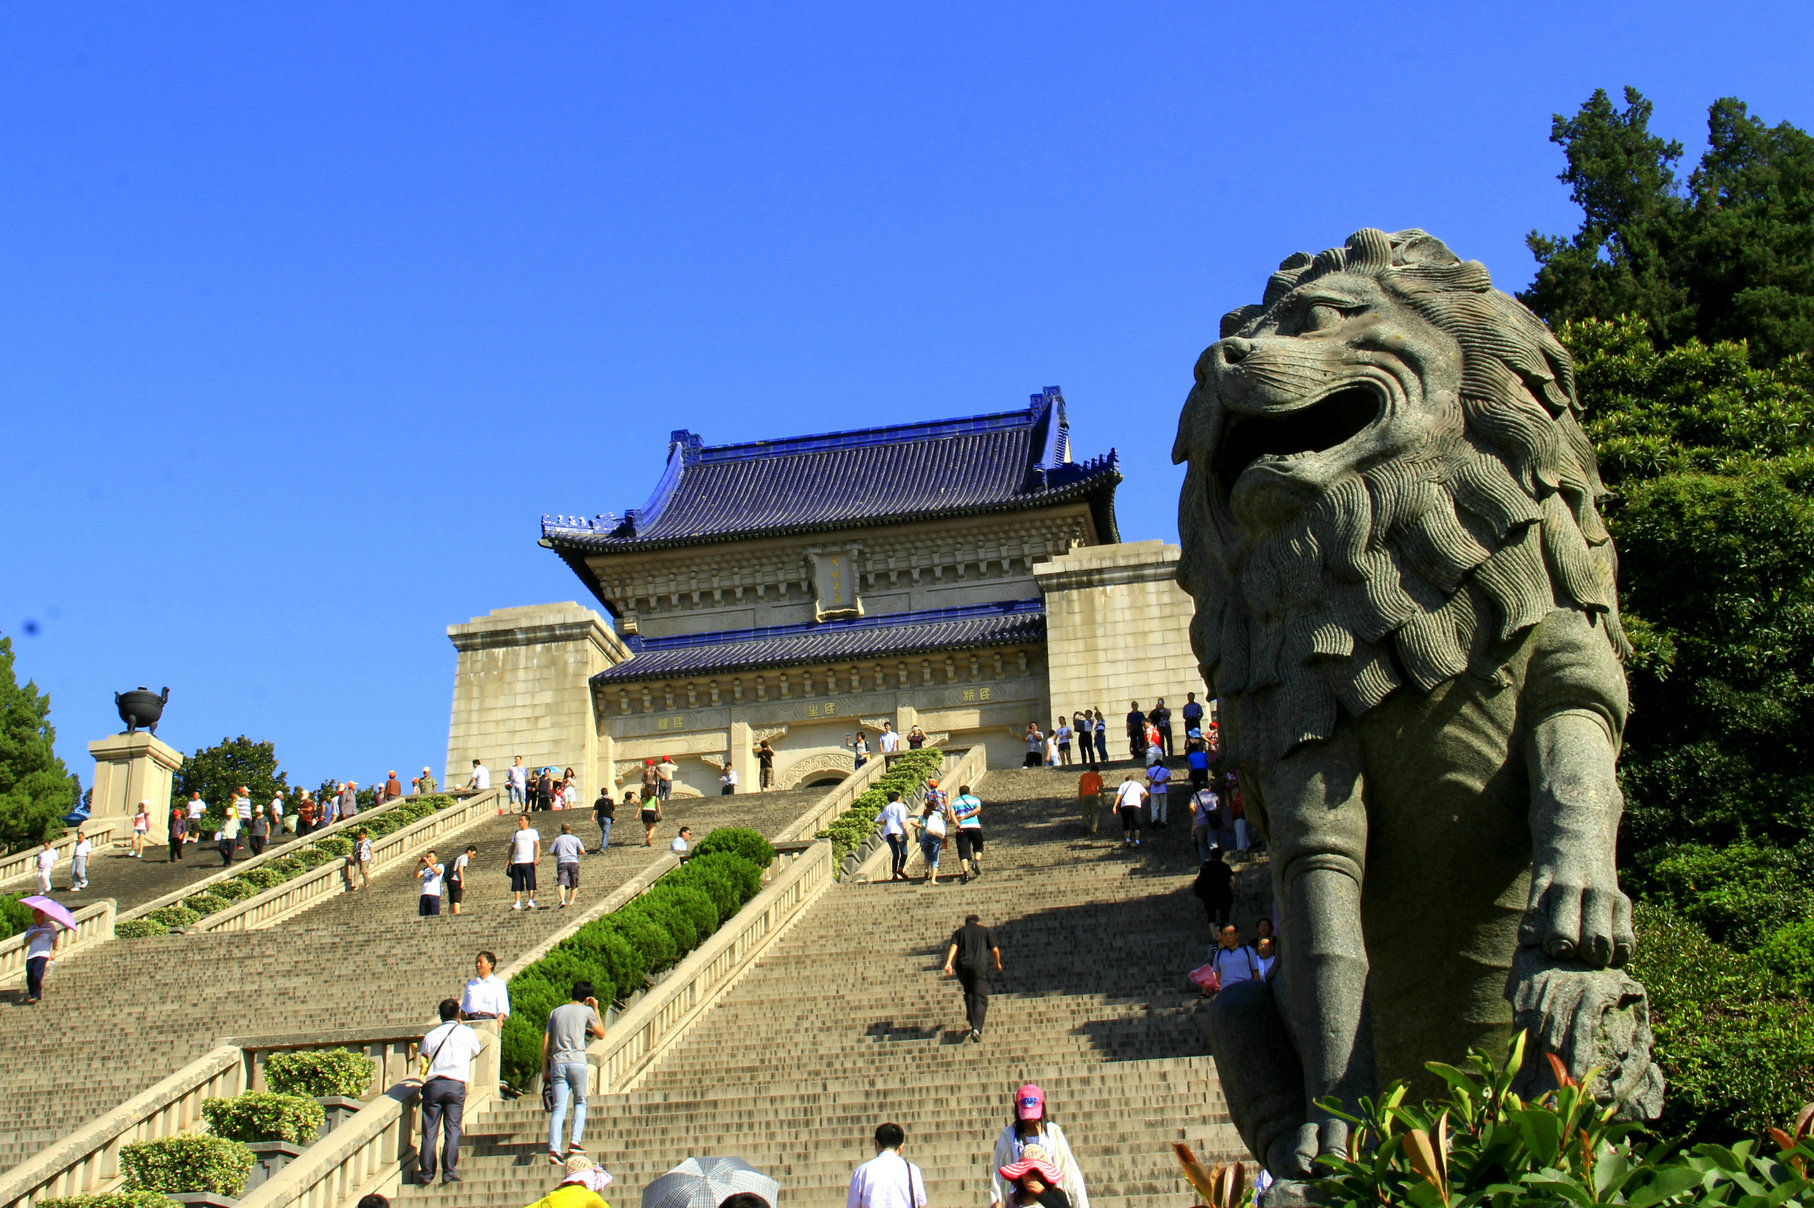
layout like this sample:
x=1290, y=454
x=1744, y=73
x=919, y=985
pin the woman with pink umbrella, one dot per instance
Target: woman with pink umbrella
x=49, y=919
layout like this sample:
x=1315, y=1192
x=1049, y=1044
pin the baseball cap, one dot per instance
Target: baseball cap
x=1029, y=1102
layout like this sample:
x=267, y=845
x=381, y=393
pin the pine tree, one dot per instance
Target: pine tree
x=35, y=788
x=220, y=770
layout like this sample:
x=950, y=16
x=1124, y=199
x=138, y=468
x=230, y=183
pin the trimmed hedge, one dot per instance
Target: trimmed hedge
x=206, y=903
x=738, y=840
x=137, y=929
x=234, y=889
x=338, y=845
x=186, y=1162
x=317, y=1072
x=263, y=877
x=113, y=1199
x=906, y=776
x=616, y=953
x=263, y=1116
x=172, y=916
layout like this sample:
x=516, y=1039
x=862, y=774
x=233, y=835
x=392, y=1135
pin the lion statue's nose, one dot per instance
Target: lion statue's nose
x=1233, y=350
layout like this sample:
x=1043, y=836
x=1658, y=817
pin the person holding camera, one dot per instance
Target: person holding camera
x=564, y=1067
x=430, y=872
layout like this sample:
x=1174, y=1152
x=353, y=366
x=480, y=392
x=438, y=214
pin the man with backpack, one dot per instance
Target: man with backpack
x=968, y=812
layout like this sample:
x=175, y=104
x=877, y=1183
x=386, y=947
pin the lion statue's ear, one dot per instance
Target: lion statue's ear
x=1415, y=247
x=1238, y=318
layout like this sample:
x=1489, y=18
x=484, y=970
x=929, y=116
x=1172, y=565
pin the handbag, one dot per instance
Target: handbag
x=1206, y=979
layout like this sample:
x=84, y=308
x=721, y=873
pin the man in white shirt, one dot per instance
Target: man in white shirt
x=197, y=807
x=664, y=778
x=567, y=849
x=683, y=843
x=277, y=813
x=516, y=784
x=893, y=821
x=486, y=996
x=1128, y=800
x=727, y=782
x=889, y=741
x=887, y=1180
x=525, y=854
x=430, y=872
x=481, y=777
x=78, y=866
x=47, y=860
x=447, y=1053
x=242, y=805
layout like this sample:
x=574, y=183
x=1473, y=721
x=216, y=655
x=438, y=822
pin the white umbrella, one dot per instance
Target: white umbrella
x=706, y=1183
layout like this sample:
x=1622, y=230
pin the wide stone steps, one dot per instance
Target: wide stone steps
x=120, y=1018
x=847, y=1022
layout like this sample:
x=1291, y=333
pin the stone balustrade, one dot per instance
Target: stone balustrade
x=94, y=925
x=24, y=864
x=635, y=1039
x=835, y=801
x=88, y=1161
x=960, y=768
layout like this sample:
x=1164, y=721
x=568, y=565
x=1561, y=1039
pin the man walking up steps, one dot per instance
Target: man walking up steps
x=972, y=948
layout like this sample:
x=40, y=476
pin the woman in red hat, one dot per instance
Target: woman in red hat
x=1030, y=1132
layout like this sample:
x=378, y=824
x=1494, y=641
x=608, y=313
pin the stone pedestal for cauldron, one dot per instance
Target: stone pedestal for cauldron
x=128, y=769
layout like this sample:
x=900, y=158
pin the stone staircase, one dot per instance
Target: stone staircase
x=847, y=1023
x=119, y=1018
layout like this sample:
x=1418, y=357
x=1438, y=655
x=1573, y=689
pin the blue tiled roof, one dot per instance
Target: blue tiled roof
x=834, y=641
x=986, y=463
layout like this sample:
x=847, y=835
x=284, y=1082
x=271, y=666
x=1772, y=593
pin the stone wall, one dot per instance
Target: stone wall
x=1118, y=630
x=521, y=687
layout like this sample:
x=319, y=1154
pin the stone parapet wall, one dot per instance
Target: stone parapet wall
x=1118, y=630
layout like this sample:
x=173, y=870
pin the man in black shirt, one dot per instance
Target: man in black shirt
x=1136, y=733
x=972, y=948
x=604, y=812
x=765, y=757
x=1161, y=717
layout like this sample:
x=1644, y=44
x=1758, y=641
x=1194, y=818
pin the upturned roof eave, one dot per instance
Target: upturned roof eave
x=1085, y=488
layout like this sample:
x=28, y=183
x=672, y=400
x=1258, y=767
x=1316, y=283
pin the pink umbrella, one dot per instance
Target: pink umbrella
x=54, y=910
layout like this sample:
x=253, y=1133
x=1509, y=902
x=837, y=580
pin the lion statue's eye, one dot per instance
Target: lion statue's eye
x=1321, y=316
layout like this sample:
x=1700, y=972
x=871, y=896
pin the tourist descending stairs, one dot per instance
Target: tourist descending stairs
x=847, y=1023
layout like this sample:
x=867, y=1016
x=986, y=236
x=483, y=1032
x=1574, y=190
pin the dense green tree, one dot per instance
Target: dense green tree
x=36, y=790
x=1711, y=465
x=1727, y=255
x=221, y=769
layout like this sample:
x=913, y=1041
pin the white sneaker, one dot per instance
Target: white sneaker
x=516, y=905
x=532, y=904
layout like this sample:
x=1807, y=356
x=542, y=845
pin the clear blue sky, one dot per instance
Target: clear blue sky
x=308, y=313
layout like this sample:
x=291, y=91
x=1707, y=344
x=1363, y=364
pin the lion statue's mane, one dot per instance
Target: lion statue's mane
x=1420, y=567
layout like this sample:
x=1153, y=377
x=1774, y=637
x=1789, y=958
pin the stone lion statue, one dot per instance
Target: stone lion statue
x=1405, y=602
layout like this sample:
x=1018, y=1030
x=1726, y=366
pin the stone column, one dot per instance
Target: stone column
x=128, y=769
x=742, y=756
x=522, y=686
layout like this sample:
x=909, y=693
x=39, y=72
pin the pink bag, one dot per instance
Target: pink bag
x=1205, y=978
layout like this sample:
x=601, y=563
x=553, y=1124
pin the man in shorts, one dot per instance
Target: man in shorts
x=455, y=887
x=567, y=850
x=1128, y=800
x=968, y=812
x=525, y=854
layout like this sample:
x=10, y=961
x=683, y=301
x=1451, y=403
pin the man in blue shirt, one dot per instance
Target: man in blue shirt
x=1193, y=713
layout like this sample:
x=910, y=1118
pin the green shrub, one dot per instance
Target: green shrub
x=265, y=876
x=1737, y=894
x=334, y=845
x=136, y=929
x=716, y=883
x=652, y=943
x=669, y=919
x=186, y=1162
x=206, y=903
x=263, y=1116
x=234, y=889
x=701, y=908
x=312, y=857
x=521, y=1055
x=113, y=1199
x=1736, y=1045
x=14, y=918
x=1484, y=1145
x=744, y=876
x=174, y=916
x=317, y=1072
x=740, y=840
x=1789, y=953
x=438, y=801
x=382, y=825
x=285, y=866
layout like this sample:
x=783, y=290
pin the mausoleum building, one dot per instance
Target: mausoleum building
x=962, y=575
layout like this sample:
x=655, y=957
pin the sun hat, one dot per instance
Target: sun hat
x=1029, y=1102
x=1032, y=1158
